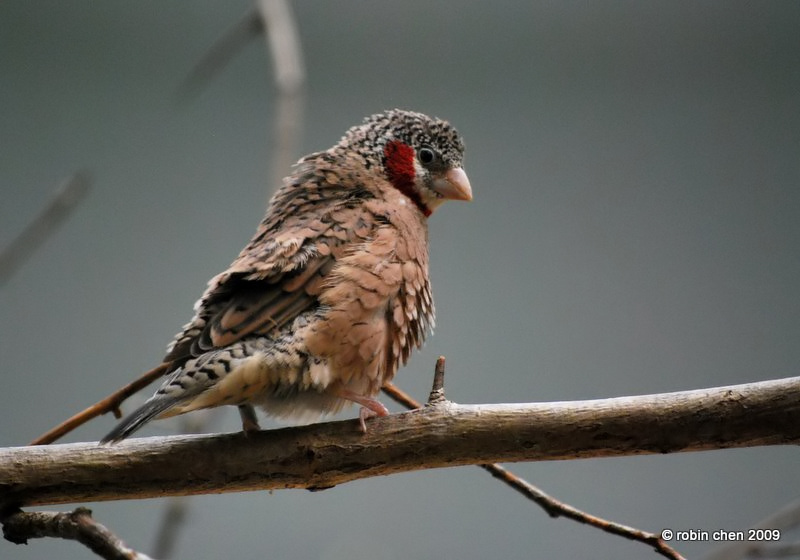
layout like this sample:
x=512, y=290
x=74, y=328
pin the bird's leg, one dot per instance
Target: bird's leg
x=369, y=407
x=249, y=419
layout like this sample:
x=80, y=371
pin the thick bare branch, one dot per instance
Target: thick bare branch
x=324, y=455
x=76, y=525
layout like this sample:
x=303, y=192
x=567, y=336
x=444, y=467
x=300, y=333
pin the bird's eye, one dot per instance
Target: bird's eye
x=426, y=156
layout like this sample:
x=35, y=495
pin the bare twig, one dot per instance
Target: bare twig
x=220, y=53
x=557, y=508
x=109, y=404
x=64, y=200
x=553, y=507
x=446, y=435
x=76, y=525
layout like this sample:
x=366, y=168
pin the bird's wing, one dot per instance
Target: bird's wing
x=311, y=221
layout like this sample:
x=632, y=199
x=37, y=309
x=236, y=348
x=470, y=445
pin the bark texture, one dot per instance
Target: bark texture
x=320, y=456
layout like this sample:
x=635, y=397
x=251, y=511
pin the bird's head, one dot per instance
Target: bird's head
x=419, y=155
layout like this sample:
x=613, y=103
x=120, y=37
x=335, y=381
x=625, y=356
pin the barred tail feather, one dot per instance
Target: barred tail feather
x=139, y=418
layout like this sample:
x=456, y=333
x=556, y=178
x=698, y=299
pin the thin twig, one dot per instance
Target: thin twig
x=220, y=53
x=557, y=508
x=109, y=404
x=64, y=200
x=553, y=507
x=401, y=397
x=76, y=525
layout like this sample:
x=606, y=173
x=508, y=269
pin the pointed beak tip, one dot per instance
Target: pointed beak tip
x=458, y=187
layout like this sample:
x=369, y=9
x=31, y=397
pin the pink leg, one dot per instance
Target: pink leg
x=369, y=407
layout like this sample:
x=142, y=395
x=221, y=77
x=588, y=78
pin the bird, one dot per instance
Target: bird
x=332, y=293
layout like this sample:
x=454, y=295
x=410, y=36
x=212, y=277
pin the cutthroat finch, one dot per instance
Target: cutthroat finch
x=332, y=293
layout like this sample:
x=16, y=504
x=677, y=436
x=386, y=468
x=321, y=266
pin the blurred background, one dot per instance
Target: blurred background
x=635, y=229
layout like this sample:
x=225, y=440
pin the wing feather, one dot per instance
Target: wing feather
x=281, y=272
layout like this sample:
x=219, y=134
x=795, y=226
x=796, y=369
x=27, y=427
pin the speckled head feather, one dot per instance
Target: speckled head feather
x=409, y=127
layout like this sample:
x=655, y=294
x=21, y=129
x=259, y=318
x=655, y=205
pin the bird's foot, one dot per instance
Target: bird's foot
x=365, y=413
x=370, y=408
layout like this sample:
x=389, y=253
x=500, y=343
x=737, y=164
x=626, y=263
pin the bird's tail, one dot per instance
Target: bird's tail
x=139, y=418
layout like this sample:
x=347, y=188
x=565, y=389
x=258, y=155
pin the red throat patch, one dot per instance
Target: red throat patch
x=400, y=168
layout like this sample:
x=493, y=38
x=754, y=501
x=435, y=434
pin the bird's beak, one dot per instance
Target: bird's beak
x=454, y=185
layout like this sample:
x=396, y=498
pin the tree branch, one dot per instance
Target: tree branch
x=76, y=525
x=324, y=455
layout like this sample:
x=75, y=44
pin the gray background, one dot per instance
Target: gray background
x=634, y=230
